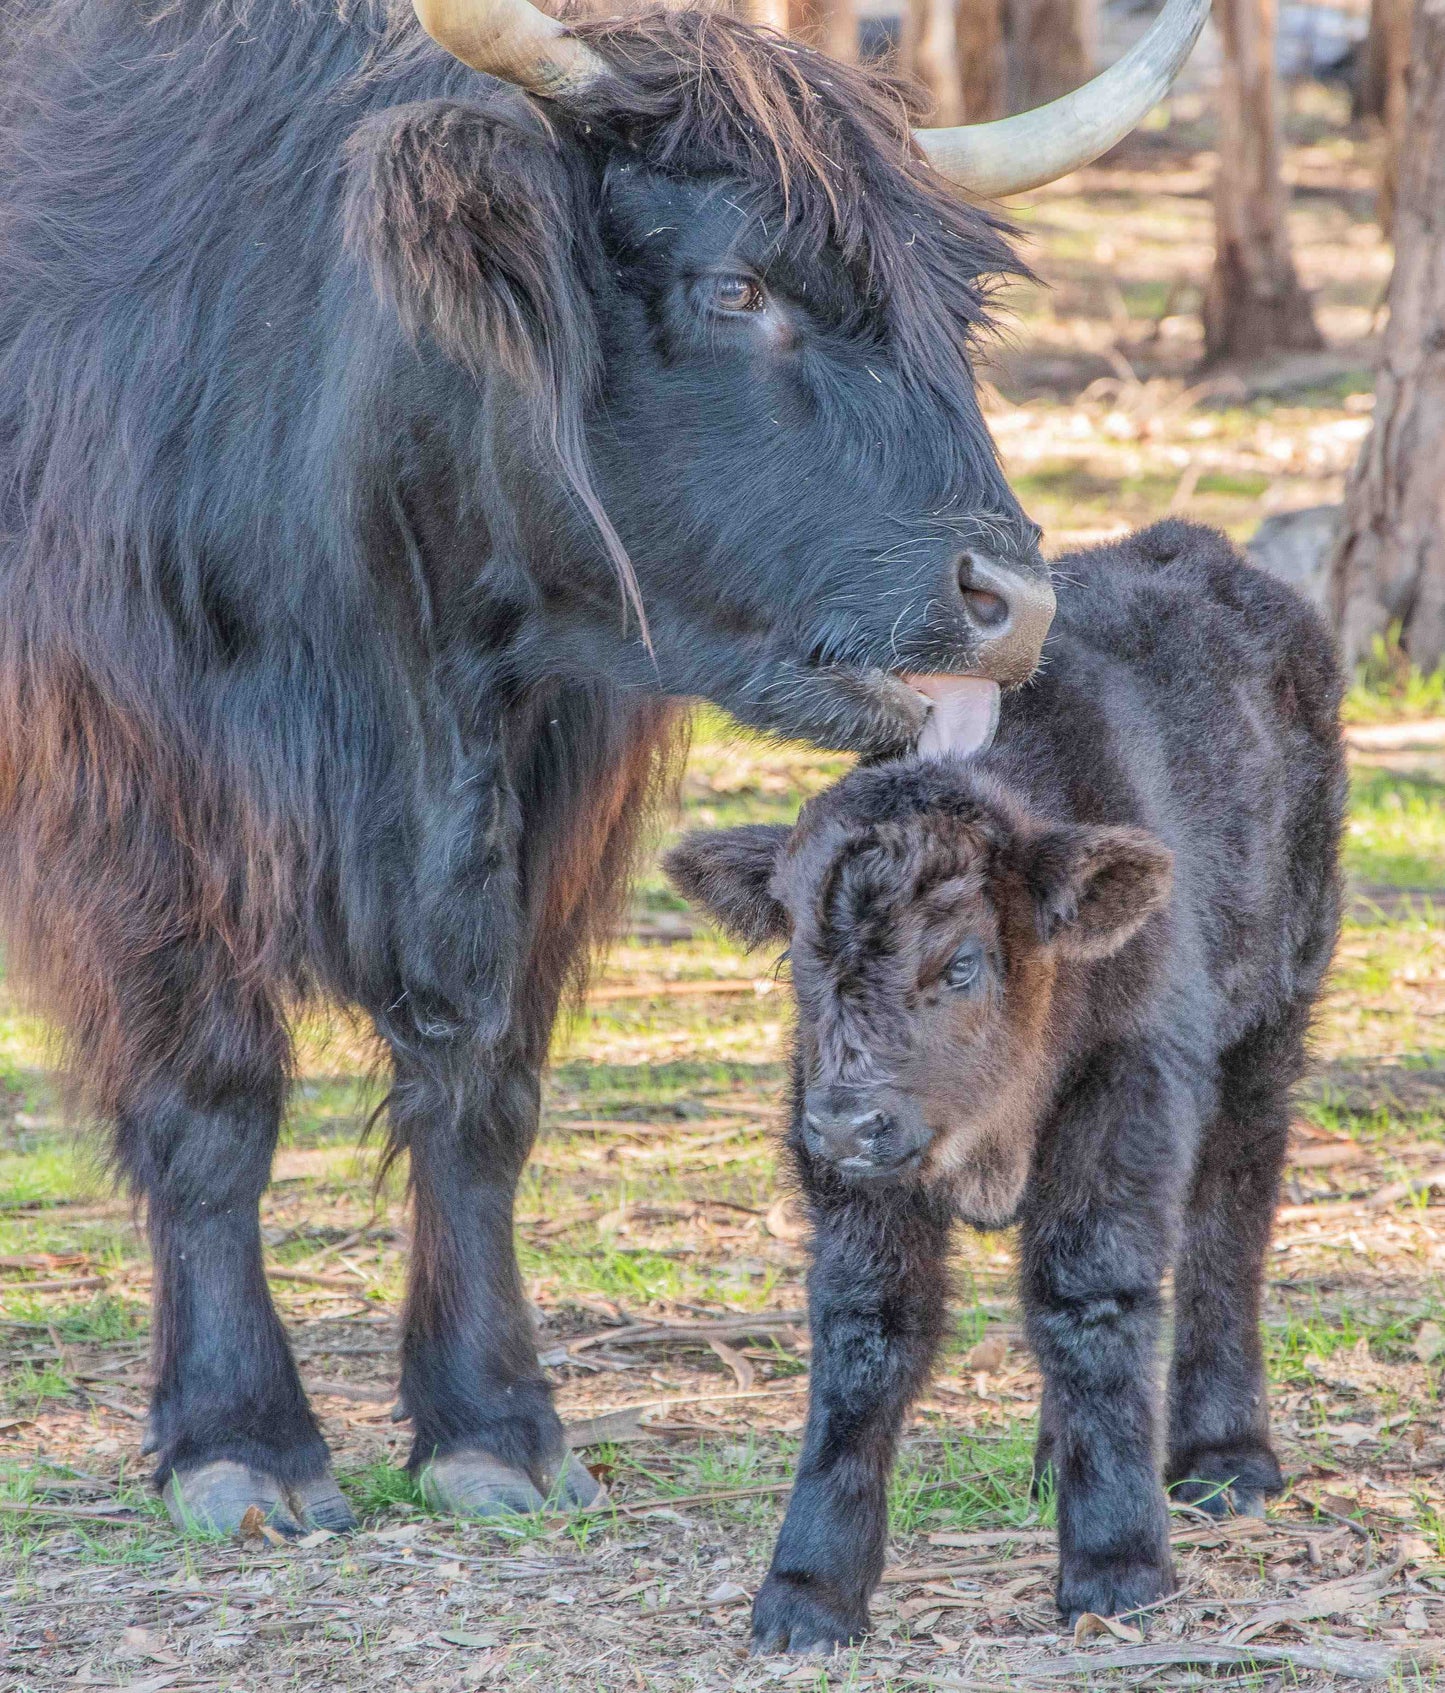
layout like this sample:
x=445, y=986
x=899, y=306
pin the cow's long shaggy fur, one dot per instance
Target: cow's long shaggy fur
x=332, y=376
x=229, y=757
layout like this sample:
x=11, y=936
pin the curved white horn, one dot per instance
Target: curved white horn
x=1011, y=154
x=512, y=40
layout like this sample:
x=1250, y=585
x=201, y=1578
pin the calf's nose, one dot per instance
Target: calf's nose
x=842, y=1130
x=1010, y=612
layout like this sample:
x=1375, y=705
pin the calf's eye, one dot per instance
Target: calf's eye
x=736, y=294
x=965, y=969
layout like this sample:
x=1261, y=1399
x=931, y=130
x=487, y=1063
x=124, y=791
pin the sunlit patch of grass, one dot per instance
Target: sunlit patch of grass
x=62, y=1169
x=1395, y=835
x=28, y=1385
x=378, y=1487
x=104, y=1320
x=1294, y=1339
x=968, y=1481
x=1387, y=685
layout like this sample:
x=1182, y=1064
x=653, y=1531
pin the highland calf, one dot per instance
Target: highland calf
x=1065, y=983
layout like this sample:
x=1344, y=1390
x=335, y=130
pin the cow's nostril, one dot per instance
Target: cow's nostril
x=979, y=586
x=987, y=610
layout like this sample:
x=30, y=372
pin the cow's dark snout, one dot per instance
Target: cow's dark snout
x=861, y=1134
x=1009, y=611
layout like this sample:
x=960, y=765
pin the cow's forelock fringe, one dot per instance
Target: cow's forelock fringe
x=702, y=93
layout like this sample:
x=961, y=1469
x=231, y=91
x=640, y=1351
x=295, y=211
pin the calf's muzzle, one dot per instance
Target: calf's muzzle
x=870, y=1134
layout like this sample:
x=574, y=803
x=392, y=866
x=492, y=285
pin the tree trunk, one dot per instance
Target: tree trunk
x=1050, y=49
x=1254, y=305
x=934, y=38
x=1390, y=22
x=773, y=14
x=837, y=29
x=981, y=66
x=1389, y=565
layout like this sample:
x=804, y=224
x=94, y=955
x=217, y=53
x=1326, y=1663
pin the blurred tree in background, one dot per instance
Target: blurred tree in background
x=1254, y=305
x=1389, y=565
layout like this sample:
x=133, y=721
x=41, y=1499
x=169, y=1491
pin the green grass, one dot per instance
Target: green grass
x=968, y=1482
x=1388, y=686
x=1395, y=836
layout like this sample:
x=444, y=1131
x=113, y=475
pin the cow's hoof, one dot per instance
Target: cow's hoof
x=1227, y=1482
x=1112, y=1587
x=571, y=1486
x=792, y=1615
x=215, y=1498
x=472, y=1483
x=321, y=1504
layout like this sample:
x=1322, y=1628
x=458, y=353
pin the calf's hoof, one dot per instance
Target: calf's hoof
x=794, y=1614
x=472, y=1483
x=1111, y=1587
x=214, y=1498
x=1227, y=1481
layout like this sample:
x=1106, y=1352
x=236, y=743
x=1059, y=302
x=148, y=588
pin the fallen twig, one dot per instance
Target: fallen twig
x=705, y=1331
x=39, y=1508
x=62, y=1284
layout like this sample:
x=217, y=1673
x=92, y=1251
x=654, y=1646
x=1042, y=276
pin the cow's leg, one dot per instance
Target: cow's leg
x=876, y=1298
x=229, y=1422
x=1098, y=1229
x=487, y=1439
x=1219, y=1451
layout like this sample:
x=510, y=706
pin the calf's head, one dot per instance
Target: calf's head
x=737, y=307
x=931, y=924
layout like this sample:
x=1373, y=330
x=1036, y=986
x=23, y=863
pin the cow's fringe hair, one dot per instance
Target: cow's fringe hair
x=700, y=93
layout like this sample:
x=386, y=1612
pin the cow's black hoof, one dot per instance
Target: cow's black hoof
x=472, y=1483
x=1227, y=1482
x=791, y=1615
x=321, y=1504
x=214, y=1499
x=1111, y=1587
x=571, y=1486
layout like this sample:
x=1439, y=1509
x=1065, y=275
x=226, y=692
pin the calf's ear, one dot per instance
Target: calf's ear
x=1093, y=888
x=729, y=873
x=462, y=216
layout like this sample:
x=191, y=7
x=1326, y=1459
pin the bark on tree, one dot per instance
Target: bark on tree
x=772, y=14
x=981, y=66
x=837, y=29
x=1390, y=22
x=1254, y=305
x=1050, y=49
x=1389, y=563
x=933, y=34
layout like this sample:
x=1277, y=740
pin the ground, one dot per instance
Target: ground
x=667, y=1268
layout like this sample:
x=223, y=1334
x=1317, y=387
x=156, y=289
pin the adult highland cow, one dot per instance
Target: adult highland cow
x=381, y=444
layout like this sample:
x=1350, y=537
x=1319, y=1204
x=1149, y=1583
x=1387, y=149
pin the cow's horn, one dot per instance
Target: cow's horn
x=512, y=40
x=1011, y=154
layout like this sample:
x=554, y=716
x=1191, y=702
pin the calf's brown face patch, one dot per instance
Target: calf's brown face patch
x=929, y=916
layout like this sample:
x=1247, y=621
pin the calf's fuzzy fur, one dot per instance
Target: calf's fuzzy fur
x=1141, y=879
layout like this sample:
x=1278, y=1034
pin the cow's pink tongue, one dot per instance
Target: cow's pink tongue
x=964, y=716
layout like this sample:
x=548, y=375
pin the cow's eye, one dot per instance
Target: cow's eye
x=965, y=969
x=730, y=293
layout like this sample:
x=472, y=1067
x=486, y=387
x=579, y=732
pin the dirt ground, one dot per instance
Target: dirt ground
x=667, y=1271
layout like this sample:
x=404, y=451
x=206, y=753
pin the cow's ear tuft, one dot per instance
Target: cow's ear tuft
x=729, y=873
x=463, y=218
x=1094, y=888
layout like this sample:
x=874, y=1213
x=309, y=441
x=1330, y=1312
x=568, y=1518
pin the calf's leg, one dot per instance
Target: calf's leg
x=229, y=1422
x=876, y=1297
x=1098, y=1229
x=487, y=1439
x=1219, y=1451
